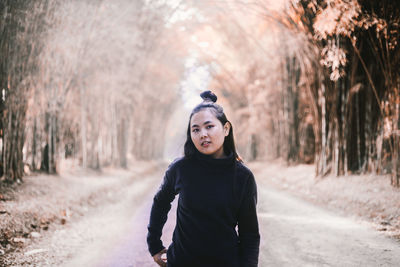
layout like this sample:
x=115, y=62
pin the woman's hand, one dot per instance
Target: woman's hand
x=161, y=260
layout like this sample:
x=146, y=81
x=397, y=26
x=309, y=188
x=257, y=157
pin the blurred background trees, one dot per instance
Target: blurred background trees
x=312, y=81
x=98, y=82
x=357, y=84
x=77, y=81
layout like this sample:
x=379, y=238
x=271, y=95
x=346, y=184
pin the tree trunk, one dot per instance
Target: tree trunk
x=83, y=128
x=396, y=138
x=33, y=163
x=122, y=144
x=50, y=142
x=323, y=159
x=13, y=141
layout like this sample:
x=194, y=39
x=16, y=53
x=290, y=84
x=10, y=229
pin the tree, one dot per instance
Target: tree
x=20, y=43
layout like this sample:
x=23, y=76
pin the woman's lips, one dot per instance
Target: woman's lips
x=205, y=143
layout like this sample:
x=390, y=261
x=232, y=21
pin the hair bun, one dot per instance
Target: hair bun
x=209, y=96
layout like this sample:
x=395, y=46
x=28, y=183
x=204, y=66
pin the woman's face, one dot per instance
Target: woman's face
x=208, y=133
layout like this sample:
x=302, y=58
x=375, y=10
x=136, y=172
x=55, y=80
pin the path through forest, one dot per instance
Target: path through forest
x=294, y=233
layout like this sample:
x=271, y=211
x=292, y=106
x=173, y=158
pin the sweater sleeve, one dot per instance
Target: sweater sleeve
x=159, y=212
x=248, y=225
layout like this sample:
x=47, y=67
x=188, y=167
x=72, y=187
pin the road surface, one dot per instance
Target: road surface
x=293, y=233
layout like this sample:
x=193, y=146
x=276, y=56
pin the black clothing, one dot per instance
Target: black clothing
x=215, y=195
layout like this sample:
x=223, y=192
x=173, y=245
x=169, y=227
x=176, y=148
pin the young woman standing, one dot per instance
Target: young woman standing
x=216, y=194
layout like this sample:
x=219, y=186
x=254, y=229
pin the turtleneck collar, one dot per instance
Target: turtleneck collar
x=213, y=162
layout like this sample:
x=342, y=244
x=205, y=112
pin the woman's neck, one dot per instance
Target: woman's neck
x=219, y=154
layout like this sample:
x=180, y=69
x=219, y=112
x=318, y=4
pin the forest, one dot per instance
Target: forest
x=307, y=81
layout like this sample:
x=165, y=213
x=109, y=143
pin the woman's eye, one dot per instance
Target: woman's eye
x=195, y=130
x=209, y=126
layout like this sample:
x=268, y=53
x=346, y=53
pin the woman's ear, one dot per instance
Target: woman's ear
x=227, y=128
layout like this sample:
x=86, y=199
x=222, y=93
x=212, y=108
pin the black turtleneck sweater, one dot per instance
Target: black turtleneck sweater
x=215, y=196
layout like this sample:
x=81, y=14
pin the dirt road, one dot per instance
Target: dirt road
x=294, y=233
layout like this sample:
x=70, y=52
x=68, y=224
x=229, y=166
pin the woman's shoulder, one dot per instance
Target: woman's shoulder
x=245, y=177
x=243, y=170
x=177, y=163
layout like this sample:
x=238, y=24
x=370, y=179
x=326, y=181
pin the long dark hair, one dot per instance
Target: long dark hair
x=209, y=99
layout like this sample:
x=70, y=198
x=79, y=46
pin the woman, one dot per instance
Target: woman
x=216, y=194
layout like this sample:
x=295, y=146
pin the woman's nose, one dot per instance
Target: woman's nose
x=203, y=133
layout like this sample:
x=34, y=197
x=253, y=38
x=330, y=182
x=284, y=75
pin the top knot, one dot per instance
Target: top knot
x=209, y=96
